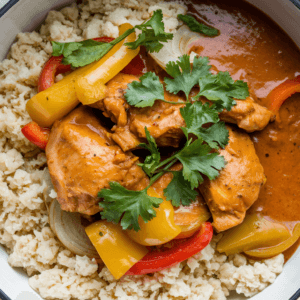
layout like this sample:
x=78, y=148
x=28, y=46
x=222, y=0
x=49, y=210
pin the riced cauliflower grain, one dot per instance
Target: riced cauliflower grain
x=25, y=191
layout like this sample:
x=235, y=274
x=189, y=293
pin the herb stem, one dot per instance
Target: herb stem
x=165, y=169
x=171, y=102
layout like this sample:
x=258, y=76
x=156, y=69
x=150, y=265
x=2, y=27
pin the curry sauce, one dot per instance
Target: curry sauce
x=253, y=48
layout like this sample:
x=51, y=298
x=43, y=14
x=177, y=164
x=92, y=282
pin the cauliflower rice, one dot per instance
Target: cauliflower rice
x=56, y=273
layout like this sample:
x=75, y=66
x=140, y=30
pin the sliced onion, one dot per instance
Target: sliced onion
x=179, y=45
x=68, y=229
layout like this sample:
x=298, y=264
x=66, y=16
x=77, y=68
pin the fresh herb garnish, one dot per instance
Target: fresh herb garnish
x=204, y=132
x=151, y=161
x=153, y=33
x=196, y=115
x=221, y=89
x=126, y=206
x=184, y=76
x=80, y=54
x=179, y=190
x=143, y=93
x=195, y=26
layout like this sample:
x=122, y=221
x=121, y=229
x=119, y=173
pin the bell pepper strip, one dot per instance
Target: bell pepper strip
x=161, y=229
x=54, y=66
x=136, y=67
x=36, y=135
x=59, y=99
x=190, y=218
x=117, y=251
x=282, y=92
x=254, y=232
x=90, y=86
x=275, y=250
x=166, y=257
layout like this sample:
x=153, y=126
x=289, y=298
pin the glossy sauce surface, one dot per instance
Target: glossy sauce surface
x=253, y=48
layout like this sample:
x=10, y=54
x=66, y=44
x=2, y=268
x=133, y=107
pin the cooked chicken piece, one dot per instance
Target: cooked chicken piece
x=248, y=115
x=164, y=120
x=83, y=159
x=238, y=185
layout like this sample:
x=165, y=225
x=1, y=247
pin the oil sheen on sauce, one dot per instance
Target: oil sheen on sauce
x=253, y=48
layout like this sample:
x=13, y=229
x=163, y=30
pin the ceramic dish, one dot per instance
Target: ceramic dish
x=25, y=15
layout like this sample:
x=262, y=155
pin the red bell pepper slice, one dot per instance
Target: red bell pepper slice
x=181, y=250
x=36, y=134
x=54, y=66
x=283, y=92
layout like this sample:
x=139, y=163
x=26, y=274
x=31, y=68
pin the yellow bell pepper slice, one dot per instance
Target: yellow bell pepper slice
x=190, y=218
x=117, y=251
x=58, y=100
x=161, y=229
x=254, y=232
x=275, y=250
x=89, y=86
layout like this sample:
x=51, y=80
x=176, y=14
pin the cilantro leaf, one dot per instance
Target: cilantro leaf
x=221, y=88
x=185, y=78
x=196, y=158
x=215, y=136
x=65, y=49
x=179, y=190
x=143, y=93
x=153, y=33
x=195, y=26
x=125, y=205
x=156, y=23
x=151, y=161
x=196, y=115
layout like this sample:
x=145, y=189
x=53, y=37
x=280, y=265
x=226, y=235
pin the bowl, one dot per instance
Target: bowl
x=26, y=15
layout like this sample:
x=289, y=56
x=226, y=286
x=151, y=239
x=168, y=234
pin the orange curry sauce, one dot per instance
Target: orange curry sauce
x=253, y=48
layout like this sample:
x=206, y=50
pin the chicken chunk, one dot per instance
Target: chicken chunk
x=83, y=159
x=248, y=115
x=238, y=185
x=163, y=120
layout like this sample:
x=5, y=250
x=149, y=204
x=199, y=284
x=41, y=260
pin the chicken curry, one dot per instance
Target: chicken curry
x=251, y=178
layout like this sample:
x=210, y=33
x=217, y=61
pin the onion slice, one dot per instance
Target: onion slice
x=69, y=230
x=181, y=44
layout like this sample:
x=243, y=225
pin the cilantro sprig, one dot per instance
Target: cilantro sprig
x=195, y=26
x=79, y=54
x=204, y=133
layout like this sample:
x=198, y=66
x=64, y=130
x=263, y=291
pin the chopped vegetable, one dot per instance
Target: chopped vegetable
x=191, y=218
x=136, y=67
x=173, y=253
x=160, y=229
x=54, y=66
x=185, y=77
x=80, y=54
x=36, y=135
x=221, y=89
x=143, y=93
x=195, y=26
x=59, y=99
x=255, y=232
x=118, y=252
x=51, y=68
x=283, y=92
x=120, y=204
x=277, y=249
x=89, y=86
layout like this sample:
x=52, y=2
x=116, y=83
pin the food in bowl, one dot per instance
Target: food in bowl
x=96, y=148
